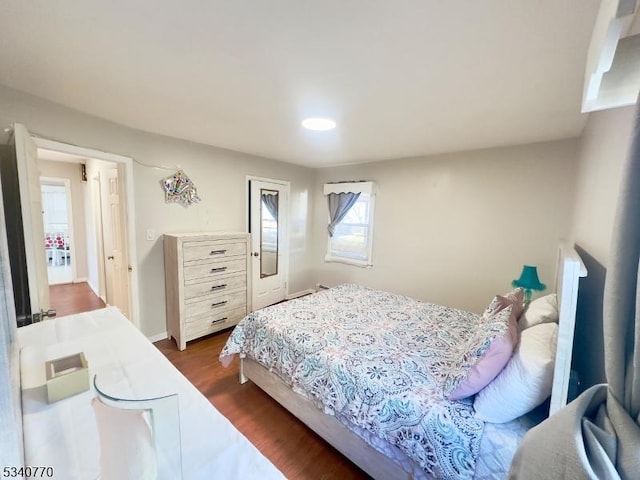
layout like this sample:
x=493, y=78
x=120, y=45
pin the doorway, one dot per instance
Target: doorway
x=58, y=229
x=268, y=224
x=93, y=162
x=28, y=242
x=92, y=258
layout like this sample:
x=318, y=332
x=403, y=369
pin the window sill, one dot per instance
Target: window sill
x=348, y=261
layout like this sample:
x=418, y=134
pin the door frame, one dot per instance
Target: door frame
x=130, y=206
x=247, y=227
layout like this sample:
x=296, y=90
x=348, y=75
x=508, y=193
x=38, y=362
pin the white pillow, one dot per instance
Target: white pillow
x=540, y=310
x=525, y=382
x=126, y=444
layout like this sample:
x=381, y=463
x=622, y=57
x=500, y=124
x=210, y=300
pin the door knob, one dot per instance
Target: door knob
x=110, y=257
x=256, y=254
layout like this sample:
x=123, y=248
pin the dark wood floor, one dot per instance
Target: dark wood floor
x=288, y=443
x=70, y=298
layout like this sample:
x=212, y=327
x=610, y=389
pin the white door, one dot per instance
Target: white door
x=114, y=241
x=32, y=222
x=268, y=215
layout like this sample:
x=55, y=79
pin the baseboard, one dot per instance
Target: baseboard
x=159, y=336
x=320, y=286
x=301, y=293
x=81, y=280
x=95, y=290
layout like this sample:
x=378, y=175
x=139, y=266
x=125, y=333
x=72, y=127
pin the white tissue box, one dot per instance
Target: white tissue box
x=66, y=376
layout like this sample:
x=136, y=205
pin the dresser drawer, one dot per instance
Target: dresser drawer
x=209, y=250
x=218, y=285
x=216, y=303
x=213, y=269
x=207, y=324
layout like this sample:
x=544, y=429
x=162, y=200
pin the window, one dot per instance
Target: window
x=352, y=237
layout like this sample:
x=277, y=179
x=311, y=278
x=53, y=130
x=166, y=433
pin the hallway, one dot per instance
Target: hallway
x=70, y=298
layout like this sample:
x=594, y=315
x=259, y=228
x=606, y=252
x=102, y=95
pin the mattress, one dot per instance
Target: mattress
x=64, y=434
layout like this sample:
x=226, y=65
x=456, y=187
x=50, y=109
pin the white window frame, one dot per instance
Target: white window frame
x=354, y=187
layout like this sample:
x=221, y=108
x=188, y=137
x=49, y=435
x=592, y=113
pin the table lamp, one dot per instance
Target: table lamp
x=529, y=281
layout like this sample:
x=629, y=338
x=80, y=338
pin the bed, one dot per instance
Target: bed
x=385, y=379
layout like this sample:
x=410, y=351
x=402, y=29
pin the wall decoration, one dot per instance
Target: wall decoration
x=179, y=188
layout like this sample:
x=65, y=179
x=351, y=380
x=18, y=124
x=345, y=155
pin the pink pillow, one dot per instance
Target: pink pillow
x=494, y=358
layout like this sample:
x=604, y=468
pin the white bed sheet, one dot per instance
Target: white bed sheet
x=64, y=434
x=498, y=446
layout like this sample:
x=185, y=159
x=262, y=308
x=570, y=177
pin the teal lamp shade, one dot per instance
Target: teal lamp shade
x=529, y=281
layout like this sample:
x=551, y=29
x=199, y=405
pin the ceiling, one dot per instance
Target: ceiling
x=401, y=78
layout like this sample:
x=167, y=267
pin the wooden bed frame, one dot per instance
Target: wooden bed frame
x=569, y=270
x=340, y=437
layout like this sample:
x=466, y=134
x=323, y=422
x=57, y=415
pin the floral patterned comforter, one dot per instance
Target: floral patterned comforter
x=375, y=360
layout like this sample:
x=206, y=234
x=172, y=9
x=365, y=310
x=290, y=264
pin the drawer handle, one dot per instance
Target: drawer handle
x=219, y=287
x=219, y=269
x=217, y=252
x=219, y=304
x=220, y=320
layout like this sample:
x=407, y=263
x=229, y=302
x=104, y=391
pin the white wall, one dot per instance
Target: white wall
x=605, y=142
x=218, y=174
x=452, y=229
x=72, y=172
x=456, y=229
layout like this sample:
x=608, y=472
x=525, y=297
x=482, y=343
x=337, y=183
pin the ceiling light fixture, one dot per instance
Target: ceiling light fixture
x=319, y=124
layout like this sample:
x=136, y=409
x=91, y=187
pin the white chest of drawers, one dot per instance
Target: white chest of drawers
x=206, y=283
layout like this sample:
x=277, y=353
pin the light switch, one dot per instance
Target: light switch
x=151, y=234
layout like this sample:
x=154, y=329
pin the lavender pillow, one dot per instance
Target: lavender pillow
x=485, y=355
